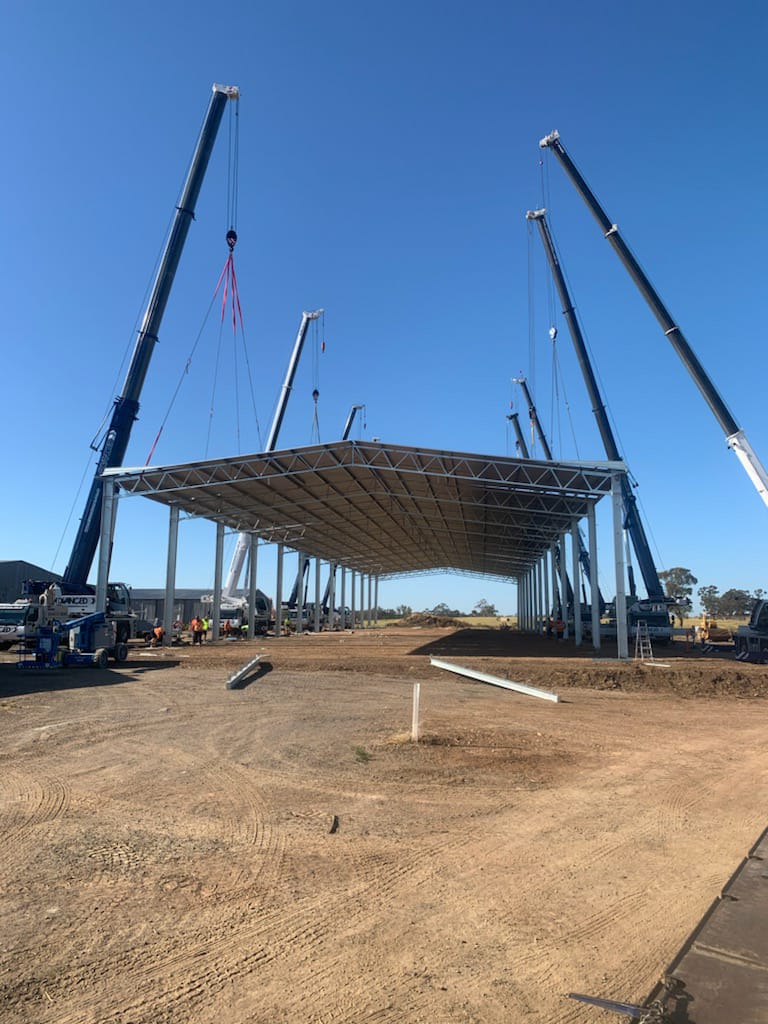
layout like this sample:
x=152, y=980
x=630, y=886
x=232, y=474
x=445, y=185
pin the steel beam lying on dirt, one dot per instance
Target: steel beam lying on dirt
x=235, y=679
x=483, y=677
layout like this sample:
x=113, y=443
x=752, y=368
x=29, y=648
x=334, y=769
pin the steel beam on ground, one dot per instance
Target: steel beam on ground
x=235, y=678
x=483, y=677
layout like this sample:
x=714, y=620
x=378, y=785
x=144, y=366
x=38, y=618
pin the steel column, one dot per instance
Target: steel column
x=618, y=554
x=170, y=575
x=575, y=540
x=563, y=587
x=593, y=584
x=279, y=590
x=105, y=543
x=318, y=595
x=217, y=574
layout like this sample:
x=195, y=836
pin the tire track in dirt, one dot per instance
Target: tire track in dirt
x=29, y=807
x=299, y=932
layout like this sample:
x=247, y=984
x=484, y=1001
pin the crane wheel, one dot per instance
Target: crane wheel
x=101, y=658
x=121, y=652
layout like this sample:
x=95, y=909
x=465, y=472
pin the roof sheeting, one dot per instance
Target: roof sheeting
x=385, y=509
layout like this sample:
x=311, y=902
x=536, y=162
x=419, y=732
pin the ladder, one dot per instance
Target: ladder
x=643, y=649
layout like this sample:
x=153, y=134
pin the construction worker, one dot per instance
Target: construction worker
x=196, y=626
x=205, y=626
x=559, y=628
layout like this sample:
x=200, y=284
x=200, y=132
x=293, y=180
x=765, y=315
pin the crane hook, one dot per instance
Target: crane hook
x=231, y=237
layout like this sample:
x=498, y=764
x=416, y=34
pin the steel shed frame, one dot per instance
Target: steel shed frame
x=385, y=510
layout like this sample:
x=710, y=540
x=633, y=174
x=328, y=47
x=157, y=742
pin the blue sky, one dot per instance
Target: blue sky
x=387, y=157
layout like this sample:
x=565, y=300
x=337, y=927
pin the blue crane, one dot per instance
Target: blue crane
x=654, y=611
x=126, y=405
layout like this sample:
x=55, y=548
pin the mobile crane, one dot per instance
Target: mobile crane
x=233, y=606
x=582, y=548
x=654, y=612
x=73, y=596
x=734, y=435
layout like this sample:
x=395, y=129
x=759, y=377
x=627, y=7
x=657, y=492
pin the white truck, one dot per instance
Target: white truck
x=235, y=609
x=62, y=605
x=12, y=618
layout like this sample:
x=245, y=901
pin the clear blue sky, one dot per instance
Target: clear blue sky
x=388, y=154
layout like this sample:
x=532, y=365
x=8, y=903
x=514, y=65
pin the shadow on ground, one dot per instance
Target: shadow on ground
x=15, y=682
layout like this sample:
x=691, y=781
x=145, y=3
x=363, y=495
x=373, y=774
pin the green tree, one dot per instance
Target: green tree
x=710, y=600
x=403, y=610
x=678, y=585
x=484, y=607
x=735, y=604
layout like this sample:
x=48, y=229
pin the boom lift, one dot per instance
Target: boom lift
x=231, y=604
x=734, y=435
x=74, y=593
x=654, y=611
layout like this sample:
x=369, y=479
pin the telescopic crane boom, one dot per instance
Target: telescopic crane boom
x=632, y=519
x=734, y=435
x=350, y=420
x=126, y=405
x=243, y=539
x=586, y=564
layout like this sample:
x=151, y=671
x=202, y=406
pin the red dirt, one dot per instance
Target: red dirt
x=168, y=854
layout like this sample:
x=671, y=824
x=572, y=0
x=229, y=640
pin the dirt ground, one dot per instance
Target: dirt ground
x=176, y=851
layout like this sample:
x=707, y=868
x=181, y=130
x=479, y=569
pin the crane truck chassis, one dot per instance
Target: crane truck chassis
x=54, y=638
x=751, y=641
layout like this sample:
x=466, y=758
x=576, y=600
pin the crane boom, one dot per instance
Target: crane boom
x=350, y=420
x=734, y=435
x=582, y=548
x=126, y=405
x=633, y=522
x=243, y=539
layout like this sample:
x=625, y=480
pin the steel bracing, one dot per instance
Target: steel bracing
x=387, y=509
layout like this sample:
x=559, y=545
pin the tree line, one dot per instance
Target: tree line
x=442, y=610
x=732, y=604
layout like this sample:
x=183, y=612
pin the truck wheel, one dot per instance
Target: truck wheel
x=121, y=652
x=101, y=658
